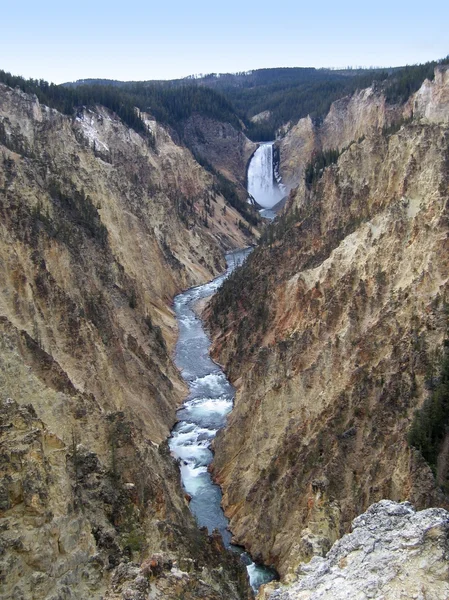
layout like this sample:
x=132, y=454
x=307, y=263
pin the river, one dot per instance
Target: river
x=203, y=413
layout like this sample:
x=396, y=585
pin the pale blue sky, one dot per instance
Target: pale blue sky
x=62, y=41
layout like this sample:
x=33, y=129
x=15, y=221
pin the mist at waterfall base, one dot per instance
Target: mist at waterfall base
x=262, y=184
x=203, y=413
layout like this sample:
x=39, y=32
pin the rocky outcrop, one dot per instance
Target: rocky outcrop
x=393, y=552
x=261, y=117
x=348, y=119
x=74, y=526
x=99, y=228
x=329, y=333
x=295, y=150
x=354, y=117
x=432, y=99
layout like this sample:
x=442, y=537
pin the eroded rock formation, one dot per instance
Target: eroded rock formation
x=329, y=333
x=355, y=117
x=392, y=552
x=99, y=229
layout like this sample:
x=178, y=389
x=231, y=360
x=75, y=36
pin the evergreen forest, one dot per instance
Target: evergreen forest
x=284, y=94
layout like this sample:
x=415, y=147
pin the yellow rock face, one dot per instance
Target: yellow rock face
x=331, y=350
x=357, y=116
x=98, y=231
x=66, y=185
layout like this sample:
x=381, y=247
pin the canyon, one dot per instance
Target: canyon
x=99, y=230
x=328, y=333
x=331, y=327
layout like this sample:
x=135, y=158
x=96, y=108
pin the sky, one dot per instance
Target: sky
x=135, y=40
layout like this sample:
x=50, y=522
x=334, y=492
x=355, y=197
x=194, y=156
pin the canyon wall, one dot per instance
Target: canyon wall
x=329, y=333
x=352, y=118
x=348, y=119
x=99, y=228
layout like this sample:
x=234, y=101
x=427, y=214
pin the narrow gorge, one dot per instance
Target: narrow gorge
x=100, y=228
x=177, y=411
x=202, y=415
x=211, y=397
x=330, y=330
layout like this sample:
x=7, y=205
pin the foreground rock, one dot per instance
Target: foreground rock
x=393, y=553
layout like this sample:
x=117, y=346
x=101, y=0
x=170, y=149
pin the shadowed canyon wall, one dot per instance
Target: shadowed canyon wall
x=227, y=149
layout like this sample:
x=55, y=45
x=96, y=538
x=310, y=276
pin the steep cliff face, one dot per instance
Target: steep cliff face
x=354, y=117
x=432, y=100
x=76, y=524
x=347, y=120
x=329, y=333
x=99, y=229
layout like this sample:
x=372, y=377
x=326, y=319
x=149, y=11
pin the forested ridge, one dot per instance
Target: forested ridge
x=68, y=100
x=291, y=94
x=287, y=93
x=168, y=105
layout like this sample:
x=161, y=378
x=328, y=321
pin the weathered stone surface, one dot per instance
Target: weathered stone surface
x=349, y=119
x=45, y=544
x=329, y=337
x=432, y=99
x=353, y=117
x=98, y=231
x=68, y=523
x=393, y=553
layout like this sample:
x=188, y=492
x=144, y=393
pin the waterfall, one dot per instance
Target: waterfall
x=262, y=184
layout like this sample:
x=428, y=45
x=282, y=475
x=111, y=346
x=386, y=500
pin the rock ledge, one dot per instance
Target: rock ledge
x=392, y=553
